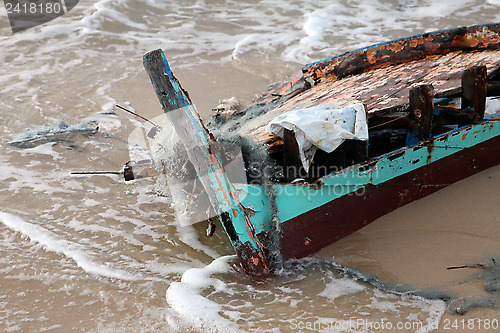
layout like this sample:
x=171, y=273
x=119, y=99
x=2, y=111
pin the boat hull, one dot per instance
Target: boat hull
x=311, y=219
x=397, y=81
x=319, y=227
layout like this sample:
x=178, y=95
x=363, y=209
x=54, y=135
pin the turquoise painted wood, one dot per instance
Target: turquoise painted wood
x=202, y=152
x=255, y=215
x=293, y=200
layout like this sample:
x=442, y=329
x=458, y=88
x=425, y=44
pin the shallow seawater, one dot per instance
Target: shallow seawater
x=96, y=254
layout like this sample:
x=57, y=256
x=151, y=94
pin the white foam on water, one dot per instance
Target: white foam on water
x=20, y=178
x=340, y=286
x=54, y=243
x=44, y=149
x=215, y=299
x=430, y=311
x=439, y=8
x=91, y=203
x=188, y=235
x=196, y=310
x=95, y=228
x=105, y=11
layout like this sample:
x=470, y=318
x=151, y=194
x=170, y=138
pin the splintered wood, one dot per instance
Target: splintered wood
x=387, y=89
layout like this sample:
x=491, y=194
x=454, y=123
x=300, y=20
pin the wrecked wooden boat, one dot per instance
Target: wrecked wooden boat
x=423, y=100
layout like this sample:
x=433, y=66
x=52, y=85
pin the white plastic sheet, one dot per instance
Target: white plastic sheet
x=324, y=127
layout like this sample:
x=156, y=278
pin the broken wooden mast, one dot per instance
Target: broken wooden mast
x=202, y=151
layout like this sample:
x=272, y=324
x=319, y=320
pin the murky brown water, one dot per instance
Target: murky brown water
x=81, y=253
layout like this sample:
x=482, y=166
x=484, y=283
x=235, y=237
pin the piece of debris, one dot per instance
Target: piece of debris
x=154, y=130
x=57, y=132
x=228, y=106
x=491, y=279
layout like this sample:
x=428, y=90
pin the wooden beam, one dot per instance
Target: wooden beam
x=203, y=154
x=360, y=151
x=421, y=112
x=404, y=50
x=291, y=157
x=474, y=91
x=493, y=88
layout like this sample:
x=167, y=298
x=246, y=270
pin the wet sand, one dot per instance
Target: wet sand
x=415, y=244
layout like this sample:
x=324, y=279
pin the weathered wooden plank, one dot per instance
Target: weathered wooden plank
x=493, y=88
x=201, y=149
x=454, y=115
x=474, y=91
x=291, y=158
x=386, y=90
x=421, y=110
x=405, y=50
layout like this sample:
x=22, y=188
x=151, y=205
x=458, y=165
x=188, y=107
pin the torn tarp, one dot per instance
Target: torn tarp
x=324, y=127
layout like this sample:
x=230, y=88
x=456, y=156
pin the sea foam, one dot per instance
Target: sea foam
x=196, y=310
x=54, y=243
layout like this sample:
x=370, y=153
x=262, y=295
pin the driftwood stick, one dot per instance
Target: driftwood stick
x=136, y=114
x=466, y=266
x=97, y=173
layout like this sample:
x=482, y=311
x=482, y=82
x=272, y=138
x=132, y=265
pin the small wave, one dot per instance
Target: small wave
x=198, y=311
x=52, y=242
x=204, y=300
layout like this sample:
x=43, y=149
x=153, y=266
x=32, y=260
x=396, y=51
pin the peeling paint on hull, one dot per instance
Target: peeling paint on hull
x=314, y=217
x=404, y=50
x=321, y=226
x=302, y=218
